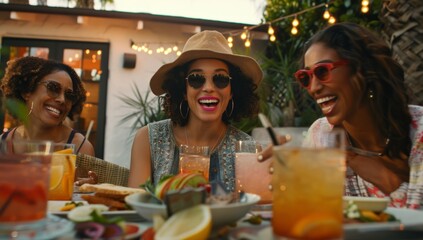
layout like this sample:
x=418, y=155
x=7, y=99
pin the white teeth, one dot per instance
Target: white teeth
x=325, y=99
x=54, y=110
x=208, y=101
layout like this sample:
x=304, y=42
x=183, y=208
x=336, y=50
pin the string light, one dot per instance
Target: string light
x=245, y=32
x=332, y=20
x=270, y=30
x=295, y=22
x=326, y=14
x=165, y=48
x=365, y=6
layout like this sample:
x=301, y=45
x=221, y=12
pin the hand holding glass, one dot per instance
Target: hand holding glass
x=252, y=176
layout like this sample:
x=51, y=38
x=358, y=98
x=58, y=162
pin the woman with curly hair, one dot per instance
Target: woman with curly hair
x=51, y=91
x=205, y=89
x=351, y=74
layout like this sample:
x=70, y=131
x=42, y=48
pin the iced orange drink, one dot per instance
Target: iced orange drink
x=24, y=180
x=307, y=192
x=62, y=175
x=194, y=159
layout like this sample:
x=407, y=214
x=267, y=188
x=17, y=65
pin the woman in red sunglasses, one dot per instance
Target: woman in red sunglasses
x=51, y=92
x=352, y=76
x=204, y=89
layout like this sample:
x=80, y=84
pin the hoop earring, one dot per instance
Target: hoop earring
x=32, y=108
x=232, y=109
x=184, y=116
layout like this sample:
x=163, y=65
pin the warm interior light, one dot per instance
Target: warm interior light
x=230, y=44
x=230, y=39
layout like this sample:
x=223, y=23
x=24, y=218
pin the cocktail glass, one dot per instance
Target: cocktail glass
x=24, y=181
x=194, y=159
x=308, y=184
x=62, y=174
x=252, y=176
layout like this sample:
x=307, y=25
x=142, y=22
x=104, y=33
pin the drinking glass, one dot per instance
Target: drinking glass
x=24, y=181
x=62, y=174
x=308, y=184
x=194, y=159
x=252, y=176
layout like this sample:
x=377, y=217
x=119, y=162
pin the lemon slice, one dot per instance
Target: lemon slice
x=189, y=224
x=83, y=213
x=56, y=175
x=318, y=227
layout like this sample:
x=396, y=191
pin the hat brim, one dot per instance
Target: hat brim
x=248, y=66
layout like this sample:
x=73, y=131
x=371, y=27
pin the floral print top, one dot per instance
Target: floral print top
x=165, y=153
x=409, y=194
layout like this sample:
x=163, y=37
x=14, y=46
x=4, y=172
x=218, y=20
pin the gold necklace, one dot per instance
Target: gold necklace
x=363, y=152
x=214, y=146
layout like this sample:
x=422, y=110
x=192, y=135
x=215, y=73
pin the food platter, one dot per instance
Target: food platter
x=53, y=207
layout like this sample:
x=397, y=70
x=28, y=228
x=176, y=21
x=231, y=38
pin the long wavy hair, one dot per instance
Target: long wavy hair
x=371, y=61
x=23, y=75
x=244, y=95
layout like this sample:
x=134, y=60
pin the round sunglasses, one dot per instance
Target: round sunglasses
x=196, y=80
x=54, y=89
x=321, y=71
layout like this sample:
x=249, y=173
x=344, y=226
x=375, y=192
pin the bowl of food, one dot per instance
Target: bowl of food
x=223, y=210
x=367, y=203
x=221, y=214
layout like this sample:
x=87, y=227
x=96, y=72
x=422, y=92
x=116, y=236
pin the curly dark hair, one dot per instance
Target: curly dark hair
x=370, y=59
x=22, y=76
x=244, y=95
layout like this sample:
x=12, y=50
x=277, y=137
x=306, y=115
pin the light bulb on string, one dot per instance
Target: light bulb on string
x=326, y=14
x=230, y=44
x=332, y=20
x=364, y=9
x=294, y=31
x=247, y=43
x=295, y=22
x=230, y=39
x=270, y=30
x=365, y=3
x=244, y=33
x=272, y=38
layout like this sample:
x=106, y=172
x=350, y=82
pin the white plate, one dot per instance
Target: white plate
x=410, y=220
x=54, y=207
x=54, y=227
x=221, y=214
x=368, y=203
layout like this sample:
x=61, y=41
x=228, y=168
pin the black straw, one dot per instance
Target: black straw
x=266, y=123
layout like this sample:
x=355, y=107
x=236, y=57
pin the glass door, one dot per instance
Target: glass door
x=90, y=61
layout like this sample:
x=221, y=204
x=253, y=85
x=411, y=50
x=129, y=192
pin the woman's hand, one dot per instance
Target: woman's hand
x=91, y=179
x=267, y=152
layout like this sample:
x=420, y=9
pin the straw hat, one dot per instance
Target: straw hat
x=207, y=44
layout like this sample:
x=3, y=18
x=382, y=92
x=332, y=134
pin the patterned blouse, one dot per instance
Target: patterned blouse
x=409, y=194
x=165, y=153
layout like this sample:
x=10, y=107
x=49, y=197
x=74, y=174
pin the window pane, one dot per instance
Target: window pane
x=39, y=52
x=72, y=57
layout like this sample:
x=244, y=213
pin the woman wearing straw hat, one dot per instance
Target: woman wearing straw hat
x=204, y=89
